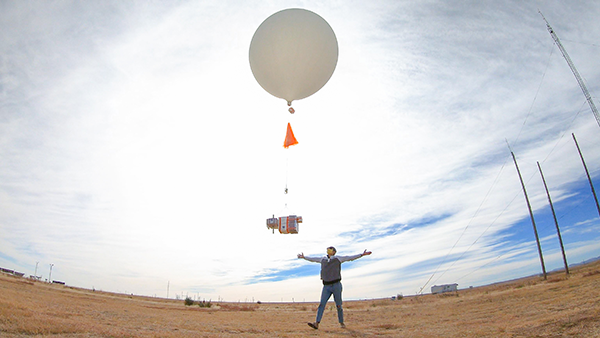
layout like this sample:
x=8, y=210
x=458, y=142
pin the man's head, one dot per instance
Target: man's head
x=331, y=251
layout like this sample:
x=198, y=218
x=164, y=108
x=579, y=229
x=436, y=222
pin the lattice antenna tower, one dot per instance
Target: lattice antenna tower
x=573, y=69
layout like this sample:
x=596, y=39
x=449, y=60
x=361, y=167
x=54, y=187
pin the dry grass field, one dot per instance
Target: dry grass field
x=529, y=307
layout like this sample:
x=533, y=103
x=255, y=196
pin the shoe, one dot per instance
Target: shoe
x=342, y=325
x=314, y=325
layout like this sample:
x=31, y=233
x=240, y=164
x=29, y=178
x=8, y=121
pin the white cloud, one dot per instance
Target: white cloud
x=139, y=151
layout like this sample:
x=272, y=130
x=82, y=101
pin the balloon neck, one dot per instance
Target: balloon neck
x=289, y=103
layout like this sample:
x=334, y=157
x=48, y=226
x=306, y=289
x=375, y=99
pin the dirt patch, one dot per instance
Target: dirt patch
x=530, y=307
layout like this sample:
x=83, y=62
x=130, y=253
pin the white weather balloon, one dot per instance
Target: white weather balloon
x=293, y=54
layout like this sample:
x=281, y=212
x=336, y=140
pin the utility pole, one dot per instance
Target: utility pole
x=562, y=247
x=36, y=266
x=168, y=284
x=588, y=173
x=50, y=276
x=537, y=238
x=582, y=85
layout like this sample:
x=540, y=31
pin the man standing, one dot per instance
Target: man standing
x=331, y=268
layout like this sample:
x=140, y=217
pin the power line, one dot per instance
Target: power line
x=459, y=238
x=493, y=184
x=478, y=238
x=583, y=43
x=536, y=95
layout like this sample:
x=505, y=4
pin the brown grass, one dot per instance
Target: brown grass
x=529, y=307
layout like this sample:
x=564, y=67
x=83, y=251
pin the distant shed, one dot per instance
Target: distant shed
x=8, y=271
x=12, y=272
x=444, y=288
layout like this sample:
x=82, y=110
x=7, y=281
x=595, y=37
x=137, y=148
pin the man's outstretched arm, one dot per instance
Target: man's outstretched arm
x=310, y=259
x=353, y=257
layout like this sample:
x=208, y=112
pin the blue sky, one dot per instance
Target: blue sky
x=138, y=151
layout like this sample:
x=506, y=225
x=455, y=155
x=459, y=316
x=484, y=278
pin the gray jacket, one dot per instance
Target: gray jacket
x=331, y=267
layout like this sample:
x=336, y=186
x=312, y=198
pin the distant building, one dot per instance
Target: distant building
x=444, y=288
x=397, y=297
x=8, y=271
x=12, y=272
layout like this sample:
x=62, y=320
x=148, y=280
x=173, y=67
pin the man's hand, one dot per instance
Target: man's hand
x=366, y=253
x=301, y=255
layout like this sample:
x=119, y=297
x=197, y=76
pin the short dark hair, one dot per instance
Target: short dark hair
x=334, y=250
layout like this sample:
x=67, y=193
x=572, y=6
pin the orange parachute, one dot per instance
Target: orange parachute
x=290, y=140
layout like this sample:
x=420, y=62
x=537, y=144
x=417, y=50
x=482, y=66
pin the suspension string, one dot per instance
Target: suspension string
x=292, y=111
x=286, y=173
